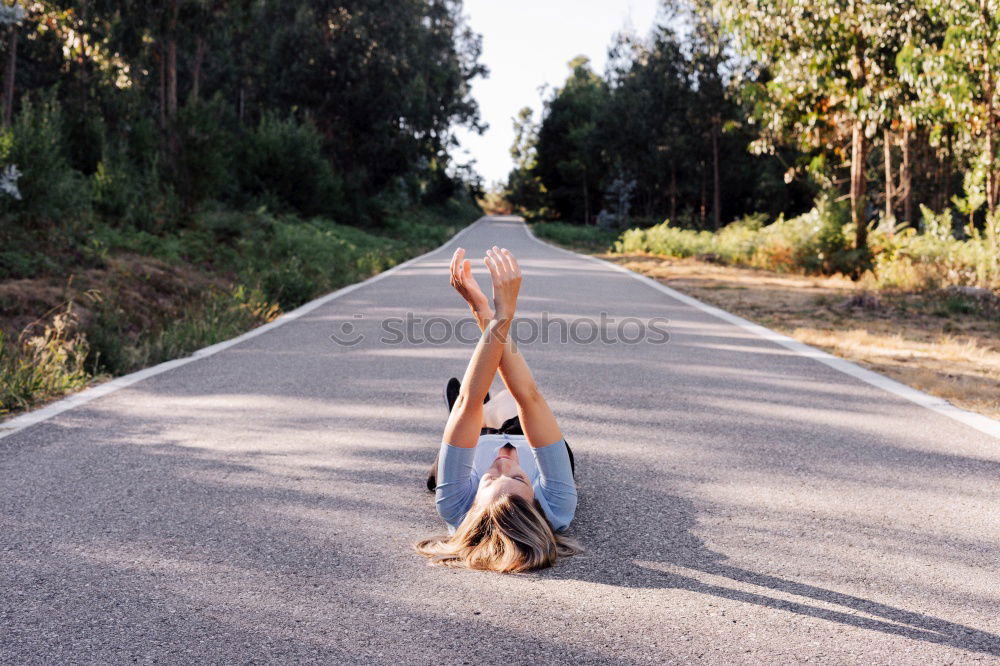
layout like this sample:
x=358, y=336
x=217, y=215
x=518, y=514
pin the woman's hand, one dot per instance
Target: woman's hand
x=465, y=284
x=506, y=276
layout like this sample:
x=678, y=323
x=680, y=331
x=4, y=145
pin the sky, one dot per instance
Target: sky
x=526, y=45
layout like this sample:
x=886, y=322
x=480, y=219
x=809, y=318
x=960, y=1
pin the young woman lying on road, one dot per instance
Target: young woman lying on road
x=503, y=479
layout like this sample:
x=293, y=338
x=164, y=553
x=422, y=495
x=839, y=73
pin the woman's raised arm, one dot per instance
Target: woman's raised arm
x=466, y=417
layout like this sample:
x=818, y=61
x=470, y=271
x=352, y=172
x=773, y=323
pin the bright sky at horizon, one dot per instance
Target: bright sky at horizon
x=526, y=45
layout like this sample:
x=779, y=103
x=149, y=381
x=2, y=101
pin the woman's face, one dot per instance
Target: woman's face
x=505, y=477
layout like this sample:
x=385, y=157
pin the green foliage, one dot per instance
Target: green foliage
x=570, y=165
x=200, y=151
x=217, y=316
x=934, y=258
x=665, y=117
x=51, y=191
x=817, y=242
x=126, y=190
x=592, y=239
x=282, y=166
x=269, y=113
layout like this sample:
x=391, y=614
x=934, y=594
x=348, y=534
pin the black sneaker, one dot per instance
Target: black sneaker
x=451, y=391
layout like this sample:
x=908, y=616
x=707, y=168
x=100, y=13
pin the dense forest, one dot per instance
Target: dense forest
x=173, y=173
x=141, y=112
x=732, y=108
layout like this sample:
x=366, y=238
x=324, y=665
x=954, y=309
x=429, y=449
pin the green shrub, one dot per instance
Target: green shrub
x=933, y=259
x=202, y=156
x=814, y=242
x=281, y=165
x=221, y=314
x=577, y=236
x=817, y=242
x=126, y=185
x=51, y=191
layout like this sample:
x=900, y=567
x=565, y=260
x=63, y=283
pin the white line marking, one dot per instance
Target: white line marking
x=29, y=419
x=978, y=421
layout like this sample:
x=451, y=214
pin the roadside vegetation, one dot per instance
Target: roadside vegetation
x=747, y=153
x=176, y=173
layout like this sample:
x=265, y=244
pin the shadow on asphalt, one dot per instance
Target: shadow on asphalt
x=656, y=549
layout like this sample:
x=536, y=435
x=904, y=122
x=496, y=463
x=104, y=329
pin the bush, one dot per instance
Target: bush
x=281, y=166
x=814, y=242
x=577, y=236
x=202, y=158
x=292, y=260
x=51, y=192
x=817, y=242
x=44, y=365
x=934, y=259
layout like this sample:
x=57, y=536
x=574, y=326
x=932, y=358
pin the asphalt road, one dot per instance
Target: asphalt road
x=739, y=503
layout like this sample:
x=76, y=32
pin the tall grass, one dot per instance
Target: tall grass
x=43, y=365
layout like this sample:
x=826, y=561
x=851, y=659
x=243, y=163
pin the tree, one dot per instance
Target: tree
x=570, y=165
x=831, y=67
x=957, y=81
x=10, y=18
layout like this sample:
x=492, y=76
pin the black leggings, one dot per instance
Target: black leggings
x=511, y=426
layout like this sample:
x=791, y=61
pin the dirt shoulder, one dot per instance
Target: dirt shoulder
x=946, y=344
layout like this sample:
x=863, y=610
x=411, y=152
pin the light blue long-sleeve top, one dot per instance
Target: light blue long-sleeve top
x=547, y=467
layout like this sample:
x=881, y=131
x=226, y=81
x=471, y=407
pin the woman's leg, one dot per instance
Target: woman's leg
x=500, y=408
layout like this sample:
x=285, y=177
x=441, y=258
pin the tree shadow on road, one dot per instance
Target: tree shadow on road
x=657, y=549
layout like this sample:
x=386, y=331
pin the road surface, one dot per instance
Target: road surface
x=739, y=503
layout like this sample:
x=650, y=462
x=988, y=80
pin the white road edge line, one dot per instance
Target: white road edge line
x=29, y=419
x=977, y=421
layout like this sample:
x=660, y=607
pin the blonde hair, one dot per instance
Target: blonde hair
x=508, y=535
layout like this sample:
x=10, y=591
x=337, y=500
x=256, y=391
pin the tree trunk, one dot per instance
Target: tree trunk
x=703, y=211
x=8, y=87
x=163, y=86
x=906, y=178
x=716, y=186
x=948, y=166
x=171, y=78
x=171, y=63
x=673, y=192
x=241, y=103
x=858, y=184
x=199, y=58
x=887, y=153
x=991, y=115
x=586, y=200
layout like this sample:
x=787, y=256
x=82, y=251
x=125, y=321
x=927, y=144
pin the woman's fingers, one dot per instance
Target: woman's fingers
x=492, y=268
x=515, y=268
x=456, y=259
x=466, y=271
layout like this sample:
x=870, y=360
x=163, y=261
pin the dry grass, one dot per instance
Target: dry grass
x=945, y=345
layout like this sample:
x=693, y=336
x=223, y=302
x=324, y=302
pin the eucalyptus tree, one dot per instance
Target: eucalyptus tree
x=831, y=65
x=956, y=77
